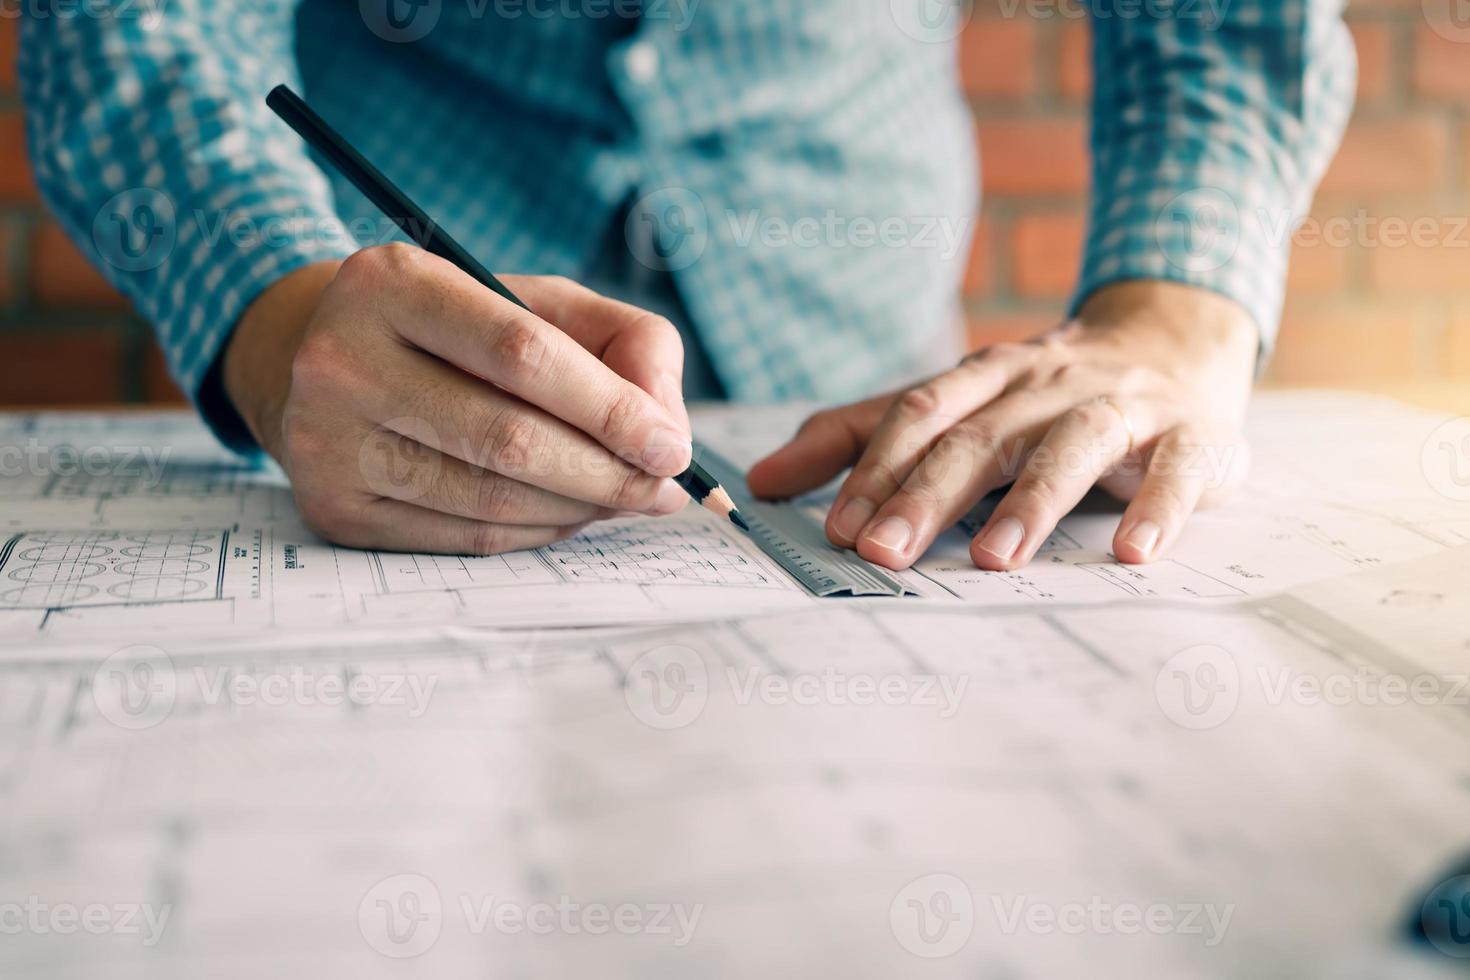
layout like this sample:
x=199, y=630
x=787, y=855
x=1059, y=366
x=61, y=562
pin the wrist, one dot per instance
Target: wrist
x=256, y=368
x=1199, y=319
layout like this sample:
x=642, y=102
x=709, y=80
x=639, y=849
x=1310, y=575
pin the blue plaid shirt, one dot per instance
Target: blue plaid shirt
x=805, y=168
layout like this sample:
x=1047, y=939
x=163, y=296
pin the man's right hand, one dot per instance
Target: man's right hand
x=415, y=410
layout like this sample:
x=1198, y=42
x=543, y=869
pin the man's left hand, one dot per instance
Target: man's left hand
x=1143, y=393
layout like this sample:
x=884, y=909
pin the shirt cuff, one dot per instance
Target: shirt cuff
x=1201, y=228
x=224, y=258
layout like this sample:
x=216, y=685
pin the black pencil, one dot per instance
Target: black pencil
x=696, y=480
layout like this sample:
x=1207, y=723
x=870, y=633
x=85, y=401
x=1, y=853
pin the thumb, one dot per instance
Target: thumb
x=825, y=445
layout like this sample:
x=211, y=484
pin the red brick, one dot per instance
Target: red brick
x=60, y=367
x=1394, y=155
x=9, y=48
x=1432, y=255
x=1375, y=54
x=1357, y=345
x=16, y=185
x=61, y=276
x=980, y=271
x=993, y=10
x=1046, y=252
x=1441, y=65
x=1074, y=61
x=1033, y=156
x=998, y=58
x=997, y=328
x=1318, y=267
x=158, y=384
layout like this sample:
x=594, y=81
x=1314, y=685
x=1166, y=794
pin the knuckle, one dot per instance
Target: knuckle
x=519, y=349
x=925, y=493
x=398, y=256
x=1067, y=373
x=634, y=490
x=657, y=327
x=363, y=266
x=1038, y=489
x=979, y=437
x=370, y=266
x=1166, y=501
x=920, y=400
x=621, y=418
x=818, y=422
x=1095, y=418
x=487, y=539
x=497, y=499
x=875, y=478
x=513, y=444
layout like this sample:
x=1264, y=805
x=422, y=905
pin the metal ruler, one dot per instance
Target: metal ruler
x=798, y=544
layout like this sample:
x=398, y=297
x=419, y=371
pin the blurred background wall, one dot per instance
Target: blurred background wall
x=1380, y=280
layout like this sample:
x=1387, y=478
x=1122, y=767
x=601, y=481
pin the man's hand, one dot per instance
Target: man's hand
x=1143, y=393
x=416, y=410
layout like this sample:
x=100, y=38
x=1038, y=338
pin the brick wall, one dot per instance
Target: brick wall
x=1380, y=277
x=66, y=337
x=1380, y=282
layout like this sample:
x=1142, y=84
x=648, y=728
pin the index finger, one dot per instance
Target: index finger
x=637, y=344
x=444, y=311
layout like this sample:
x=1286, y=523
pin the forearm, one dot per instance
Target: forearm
x=152, y=146
x=1209, y=137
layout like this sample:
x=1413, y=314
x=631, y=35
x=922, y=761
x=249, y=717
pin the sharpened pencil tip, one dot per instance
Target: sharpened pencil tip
x=738, y=519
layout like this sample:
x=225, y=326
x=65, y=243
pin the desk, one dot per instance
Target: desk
x=1161, y=783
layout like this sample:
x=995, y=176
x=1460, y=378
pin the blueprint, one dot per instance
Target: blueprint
x=139, y=523
x=229, y=749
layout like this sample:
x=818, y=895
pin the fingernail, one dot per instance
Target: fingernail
x=1003, y=538
x=893, y=533
x=670, y=500
x=667, y=452
x=853, y=517
x=1143, y=537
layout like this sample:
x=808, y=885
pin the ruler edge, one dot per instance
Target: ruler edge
x=727, y=472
